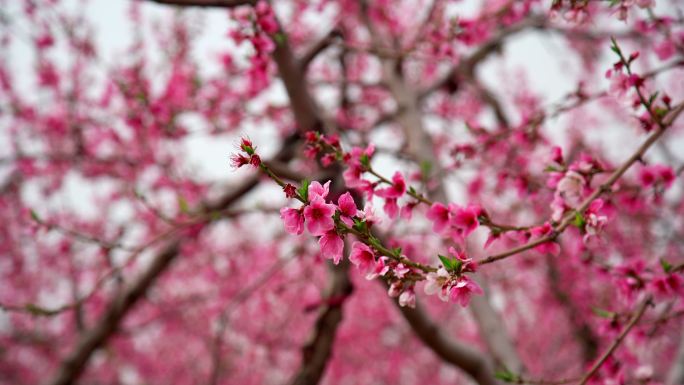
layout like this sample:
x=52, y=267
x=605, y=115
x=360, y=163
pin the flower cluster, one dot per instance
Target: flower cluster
x=258, y=26
x=247, y=155
x=578, y=11
x=449, y=282
x=453, y=220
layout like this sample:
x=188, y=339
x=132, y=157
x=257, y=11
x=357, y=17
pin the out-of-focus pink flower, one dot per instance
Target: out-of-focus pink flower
x=266, y=18
x=391, y=208
x=667, y=285
x=397, y=189
x=549, y=247
x=439, y=215
x=466, y=218
x=657, y=173
x=665, y=49
x=408, y=298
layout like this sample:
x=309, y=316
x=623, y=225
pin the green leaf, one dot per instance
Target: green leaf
x=425, y=168
x=365, y=161
x=279, y=38
x=660, y=112
x=304, y=190
x=652, y=98
x=552, y=169
x=614, y=46
x=183, y=205
x=360, y=226
x=603, y=313
x=397, y=251
x=375, y=242
x=37, y=310
x=667, y=266
x=579, y=221
x=34, y=216
x=449, y=264
x=506, y=376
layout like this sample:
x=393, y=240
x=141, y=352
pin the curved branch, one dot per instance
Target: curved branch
x=632, y=322
x=76, y=362
x=468, y=359
x=604, y=188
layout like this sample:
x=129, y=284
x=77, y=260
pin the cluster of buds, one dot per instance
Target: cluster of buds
x=331, y=222
x=326, y=146
x=247, y=155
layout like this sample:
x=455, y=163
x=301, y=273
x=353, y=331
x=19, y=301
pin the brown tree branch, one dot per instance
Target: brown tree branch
x=462, y=356
x=675, y=376
x=316, y=49
x=316, y=352
x=74, y=365
x=604, y=188
x=581, y=330
x=633, y=321
x=420, y=146
x=76, y=362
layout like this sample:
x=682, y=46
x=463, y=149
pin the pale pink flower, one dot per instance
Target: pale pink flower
x=408, y=298
x=571, y=187
x=401, y=270
x=594, y=222
x=645, y=3
x=318, y=216
x=437, y=283
x=293, y=220
x=395, y=289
